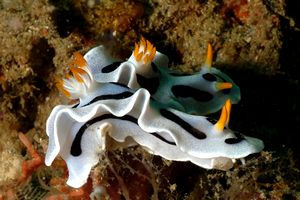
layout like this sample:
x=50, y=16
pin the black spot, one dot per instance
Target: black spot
x=236, y=140
x=151, y=84
x=233, y=140
x=211, y=120
x=154, y=67
x=226, y=91
x=220, y=77
x=111, y=67
x=186, y=126
x=209, y=77
x=187, y=91
x=76, y=144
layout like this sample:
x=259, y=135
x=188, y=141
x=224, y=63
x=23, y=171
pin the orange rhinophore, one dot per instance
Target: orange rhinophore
x=208, y=61
x=224, y=118
x=223, y=86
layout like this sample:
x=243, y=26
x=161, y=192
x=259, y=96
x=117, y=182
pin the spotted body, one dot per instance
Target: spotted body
x=122, y=113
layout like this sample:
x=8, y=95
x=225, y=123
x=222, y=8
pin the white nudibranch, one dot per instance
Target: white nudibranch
x=79, y=134
x=132, y=116
x=200, y=93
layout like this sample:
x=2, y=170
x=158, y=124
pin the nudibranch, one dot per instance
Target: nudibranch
x=201, y=93
x=80, y=133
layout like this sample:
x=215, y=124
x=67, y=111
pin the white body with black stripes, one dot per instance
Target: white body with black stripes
x=79, y=133
x=191, y=93
x=132, y=115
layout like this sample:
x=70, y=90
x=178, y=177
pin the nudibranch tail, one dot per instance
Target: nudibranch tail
x=209, y=56
x=224, y=118
x=79, y=83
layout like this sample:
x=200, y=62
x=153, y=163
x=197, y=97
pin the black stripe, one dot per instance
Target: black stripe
x=186, y=126
x=151, y=84
x=122, y=95
x=119, y=84
x=154, y=67
x=209, y=77
x=212, y=120
x=187, y=91
x=162, y=138
x=220, y=77
x=111, y=67
x=75, y=106
x=76, y=144
x=236, y=140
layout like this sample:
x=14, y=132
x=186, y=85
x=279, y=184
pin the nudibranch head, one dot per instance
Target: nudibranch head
x=80, y=82
x=222, y=82
x=211, y=140
x=240, y=145
x=201, y=93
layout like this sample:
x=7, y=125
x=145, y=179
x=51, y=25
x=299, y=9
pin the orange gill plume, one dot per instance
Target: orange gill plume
x=78, y=60
x=78, y=66
x=60, y=86
x=144, y=51
x=78, y=73
x=79, y=70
